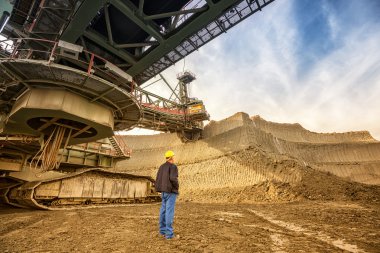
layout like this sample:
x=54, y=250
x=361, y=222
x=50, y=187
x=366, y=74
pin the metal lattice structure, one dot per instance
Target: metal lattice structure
x=214, y=26
x=143, y=38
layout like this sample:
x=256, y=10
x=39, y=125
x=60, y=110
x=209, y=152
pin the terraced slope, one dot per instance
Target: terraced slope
x=250, y=159
x=296, y=133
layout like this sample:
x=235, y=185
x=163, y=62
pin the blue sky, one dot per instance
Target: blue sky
x=312, y=62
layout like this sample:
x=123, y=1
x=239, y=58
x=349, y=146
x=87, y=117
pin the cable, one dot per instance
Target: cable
x=49, y=151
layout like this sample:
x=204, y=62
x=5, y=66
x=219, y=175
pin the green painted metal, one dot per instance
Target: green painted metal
x=141, y=7
x=101, y=41
x=170, y=87
x=205, y=18
x=175, y=13
x=210, y=2
x=108, y=23
x=143, y=44
x=81, y=19
x=132, y=13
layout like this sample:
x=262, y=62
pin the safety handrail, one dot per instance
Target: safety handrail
x=144, y=98
x=122, y=145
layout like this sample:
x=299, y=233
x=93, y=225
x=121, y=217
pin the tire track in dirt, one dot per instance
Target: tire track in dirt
x=14, y=225
x=279, y=242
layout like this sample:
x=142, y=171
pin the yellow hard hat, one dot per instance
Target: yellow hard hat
x=169, y=154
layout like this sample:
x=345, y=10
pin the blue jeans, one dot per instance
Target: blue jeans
x=167, y=214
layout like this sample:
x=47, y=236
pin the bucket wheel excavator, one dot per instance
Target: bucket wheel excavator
x=72, y=73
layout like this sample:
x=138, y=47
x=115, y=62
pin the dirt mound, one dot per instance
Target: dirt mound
x=243, y=159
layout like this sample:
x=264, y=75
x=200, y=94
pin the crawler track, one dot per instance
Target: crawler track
x=90, y=187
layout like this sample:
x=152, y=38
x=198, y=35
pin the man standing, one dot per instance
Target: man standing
x=167, y=184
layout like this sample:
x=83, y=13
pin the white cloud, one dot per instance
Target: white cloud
x=255, y=68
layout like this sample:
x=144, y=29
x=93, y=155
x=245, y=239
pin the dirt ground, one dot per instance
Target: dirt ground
x=307, y=226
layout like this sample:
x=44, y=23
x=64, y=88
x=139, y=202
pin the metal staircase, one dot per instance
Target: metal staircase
x=121, y=150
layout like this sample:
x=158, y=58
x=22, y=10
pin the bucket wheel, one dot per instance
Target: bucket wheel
x=190, y=135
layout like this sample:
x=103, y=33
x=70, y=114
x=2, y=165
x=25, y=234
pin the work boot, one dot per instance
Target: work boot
x=176, y=237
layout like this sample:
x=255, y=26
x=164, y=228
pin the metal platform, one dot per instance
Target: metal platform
x=23, y=74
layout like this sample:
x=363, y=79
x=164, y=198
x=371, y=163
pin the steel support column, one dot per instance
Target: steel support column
x=81, y=19
x=102, y=42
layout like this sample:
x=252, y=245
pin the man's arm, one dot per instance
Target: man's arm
x=158, y=182
x=173, y=176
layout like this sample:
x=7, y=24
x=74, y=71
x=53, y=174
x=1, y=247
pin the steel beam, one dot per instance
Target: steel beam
x=81, y=131
x=106, y=45
x=123, y=65
x=108, y=23
x=258, y=5
x=47, y=124
x=146, y=86
x=103, y=94
x=174, y=23
x=141, y=7
x=149, y=94
x=174, y=13
x=85, y=48
x=63, y=125
x=15, y=76
x=198, y=23
x=85, y=13
x=170, y=87
x=176, y=87
x=54, y=14
x=143, y=44
x=132, y=13
x=209, y=2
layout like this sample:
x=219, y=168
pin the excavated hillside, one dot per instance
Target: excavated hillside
x=243, y=159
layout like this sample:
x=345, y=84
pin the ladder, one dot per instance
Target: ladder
x=120, y=147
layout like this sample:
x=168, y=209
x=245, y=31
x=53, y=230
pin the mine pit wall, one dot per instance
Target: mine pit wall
x=147, y=155
x=186, y=154
x=236, y=153
x=215, y=128
x=354, y=156
x=359, y=162
x=148, y=142
x=296, y=133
